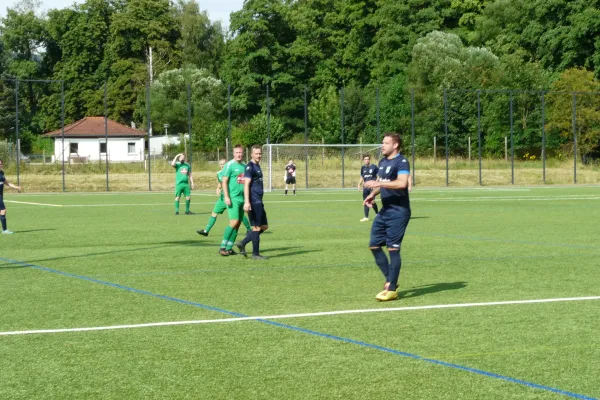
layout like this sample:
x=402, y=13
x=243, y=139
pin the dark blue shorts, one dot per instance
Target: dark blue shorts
x=389, y=226
x=257, y=215
x=2, y=206
x=366, y=192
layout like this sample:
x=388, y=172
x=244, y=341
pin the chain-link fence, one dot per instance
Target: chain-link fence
x=455, y=137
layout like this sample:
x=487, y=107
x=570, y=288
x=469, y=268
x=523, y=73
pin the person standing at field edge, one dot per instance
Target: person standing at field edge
x=4, y=182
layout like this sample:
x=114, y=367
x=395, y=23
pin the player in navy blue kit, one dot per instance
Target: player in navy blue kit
x=368, y=172
x=253, y=205
x=391, y=221
x=4, y=182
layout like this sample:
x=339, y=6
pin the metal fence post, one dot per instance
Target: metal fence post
x=342, y=128
x=543, y=138
x=189, y=111
x=479, y=131
x=268, y=116
x=446, y=131
x=106, y=131
x=62, y=129
x=512, y=144
x=306, y=132
x=148, y=133
x=412, y=127
x=229, y=154
x=574, y=137
x=17, y=137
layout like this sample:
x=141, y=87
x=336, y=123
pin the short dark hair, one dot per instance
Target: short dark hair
x=257, y=146
x=366, y=156
x=396, y=138
x=238, y=146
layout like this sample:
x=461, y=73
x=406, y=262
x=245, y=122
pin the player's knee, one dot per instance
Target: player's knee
x=214, y=215
x=264, y=228
x=176, y=198
x=374, y=247
x=188, y=197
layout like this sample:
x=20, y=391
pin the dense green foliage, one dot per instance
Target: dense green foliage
x=394, y=47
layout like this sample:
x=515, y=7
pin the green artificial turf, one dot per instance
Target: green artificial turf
x=101, y=260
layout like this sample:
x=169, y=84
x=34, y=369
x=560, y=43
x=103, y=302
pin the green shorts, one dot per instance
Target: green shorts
x=182, y=188
x=220, y=207
x=236, y=210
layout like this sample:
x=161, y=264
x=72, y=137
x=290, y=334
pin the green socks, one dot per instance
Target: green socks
x=232, y=238
x=187, y=206
x=226, y=236
x=176, y=206
x=246, y=223
x=211, y=223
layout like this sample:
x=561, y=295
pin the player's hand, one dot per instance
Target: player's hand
x=369, y=201
x=247, y=207
x=228, y=201
x=369, y=184
x=358, y=187
x=193, y=186
x=18, y=189
x=218, y=192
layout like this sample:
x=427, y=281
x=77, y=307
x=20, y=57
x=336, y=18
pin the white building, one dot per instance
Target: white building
x=86, y=140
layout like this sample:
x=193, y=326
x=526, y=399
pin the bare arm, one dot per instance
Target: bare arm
x=175, y=160
x=360, y=182
x=191, y=180
x=247, y=206
x=401, y=182
x=10, y=185
x=219, y=187
x=225, y=187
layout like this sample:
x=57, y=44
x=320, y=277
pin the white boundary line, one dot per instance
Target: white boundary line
x=304, y=315
x=33, y=204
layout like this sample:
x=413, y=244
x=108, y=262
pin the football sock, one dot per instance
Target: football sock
x=3, y=219
x=248, y=238
x=187, y=205
x=285, y=191
x=366, y=211
x=176, y=205
x=395, y=265
x=226, y=235
x=246, y=223
x=294, y=191
x=375, y=208
x=211, y=223
x=382, y=262
x=256, y=243
x=231, y=240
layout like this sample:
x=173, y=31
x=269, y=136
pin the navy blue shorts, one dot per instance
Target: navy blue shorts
x=257, y=215
x=389, y=226
x=366, y=192
x=2, y=206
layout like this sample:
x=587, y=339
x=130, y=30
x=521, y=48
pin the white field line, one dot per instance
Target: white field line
x=33, y=204
x=295, y=201
x=304, y=315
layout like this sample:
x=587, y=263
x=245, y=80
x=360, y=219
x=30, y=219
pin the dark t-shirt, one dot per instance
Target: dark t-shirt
x=389, y=170
x=254, y=173
x=2, y=181
x=290, y=171
x=369, y=173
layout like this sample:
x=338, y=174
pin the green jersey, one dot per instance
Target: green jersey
x=235, y=172
x=220, y=179
x=182, y=173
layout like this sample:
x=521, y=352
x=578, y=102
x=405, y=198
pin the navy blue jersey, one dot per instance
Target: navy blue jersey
x=369, y=173
x=389, y=170
x=254, y=173
x=290, y=171
x=2, y=180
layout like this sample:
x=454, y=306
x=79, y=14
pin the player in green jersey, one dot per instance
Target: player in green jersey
x=183, y=181
x=233, y=196
x=220, y=206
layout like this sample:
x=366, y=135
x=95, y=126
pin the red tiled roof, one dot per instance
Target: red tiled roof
x=94, y=127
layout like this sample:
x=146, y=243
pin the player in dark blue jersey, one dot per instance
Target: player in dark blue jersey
x=253, y=205
x=4, y=182
x=391, y=221
x=368, y=172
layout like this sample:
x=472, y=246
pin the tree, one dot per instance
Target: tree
x=560, y=120
x=325, y=116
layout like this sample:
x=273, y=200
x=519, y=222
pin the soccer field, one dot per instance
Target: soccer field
x=112, y=296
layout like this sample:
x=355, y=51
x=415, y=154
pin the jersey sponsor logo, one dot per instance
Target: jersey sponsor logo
x=370, y=171
x=404, y=160
x=183, y=171
x=240, y=178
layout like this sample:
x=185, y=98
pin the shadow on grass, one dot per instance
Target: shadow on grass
x=419, y=217
x=431, y=288
x=36, y=230
x=289, y=253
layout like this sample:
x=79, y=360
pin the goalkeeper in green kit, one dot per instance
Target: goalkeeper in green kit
x=183, y=182
x=220, y=205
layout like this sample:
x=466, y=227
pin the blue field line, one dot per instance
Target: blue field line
x=310, y=332
x=122, y=287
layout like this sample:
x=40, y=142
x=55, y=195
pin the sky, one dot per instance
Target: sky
x=218, y=10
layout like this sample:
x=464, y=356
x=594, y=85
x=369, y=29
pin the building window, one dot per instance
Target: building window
x=131, y=148
x=103, y=147
x=73, y=148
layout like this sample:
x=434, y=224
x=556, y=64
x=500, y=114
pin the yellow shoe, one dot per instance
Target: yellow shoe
x=364, y=219
x=387, y=295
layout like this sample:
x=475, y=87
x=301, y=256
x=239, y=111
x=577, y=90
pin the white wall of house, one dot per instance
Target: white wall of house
x=157, y=142
x=119, y=149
